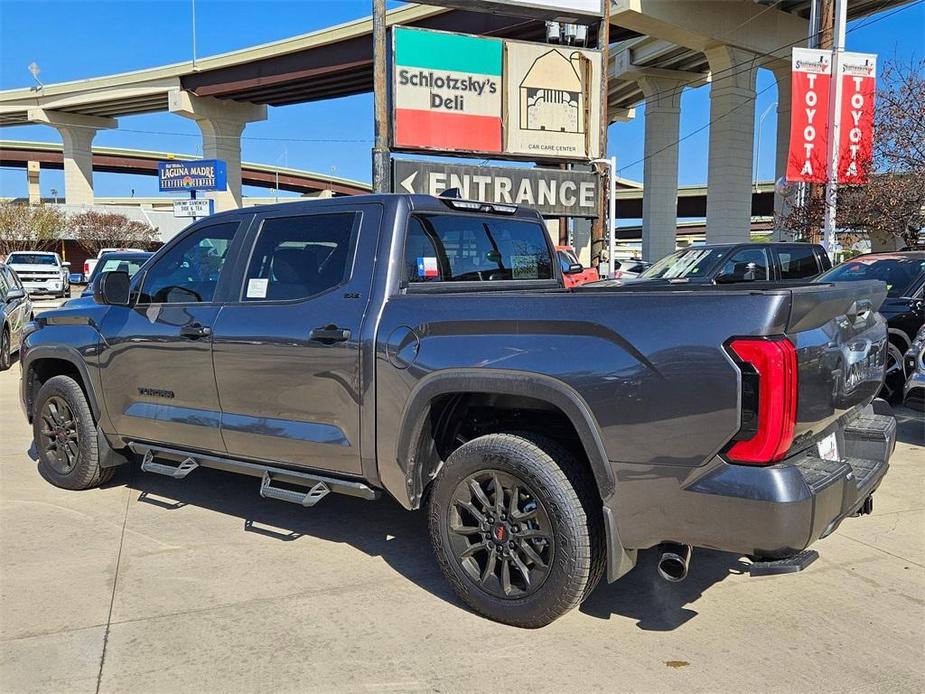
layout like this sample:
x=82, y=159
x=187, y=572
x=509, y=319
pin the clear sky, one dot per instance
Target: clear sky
x=74, y=39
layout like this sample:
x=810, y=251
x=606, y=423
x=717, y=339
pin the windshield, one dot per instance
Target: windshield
x=899, y=272
x=31, y=259
x=688, y=262
x=129, y=265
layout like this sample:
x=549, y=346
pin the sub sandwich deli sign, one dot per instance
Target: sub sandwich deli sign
x=471, y=94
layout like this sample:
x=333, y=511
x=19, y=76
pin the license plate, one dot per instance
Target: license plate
x=828, y=448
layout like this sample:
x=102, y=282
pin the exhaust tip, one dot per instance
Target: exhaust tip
x=674, y=563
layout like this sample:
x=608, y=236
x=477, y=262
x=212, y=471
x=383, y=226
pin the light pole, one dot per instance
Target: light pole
x=611, y=209
x=758, y=144
x=54, y=194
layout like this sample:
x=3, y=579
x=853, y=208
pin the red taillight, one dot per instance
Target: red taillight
x=86, y=268
x=774, y=361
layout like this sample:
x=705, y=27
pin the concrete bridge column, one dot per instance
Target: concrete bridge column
x=781, y=204
x=33, y=171
x=221, y=123
x=660, y=170
x=77, y=133
x=732, y=136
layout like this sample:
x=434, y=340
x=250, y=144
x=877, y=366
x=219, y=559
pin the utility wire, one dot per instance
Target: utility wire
x=759, y=93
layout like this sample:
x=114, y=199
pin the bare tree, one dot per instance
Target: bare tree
x=29, y=228
x=97, y=230
x=890, y=208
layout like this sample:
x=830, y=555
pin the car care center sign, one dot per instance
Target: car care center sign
x=206, y=174
x=811, y=86
x=456, y=93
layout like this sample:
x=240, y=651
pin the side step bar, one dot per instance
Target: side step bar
x=318, y=486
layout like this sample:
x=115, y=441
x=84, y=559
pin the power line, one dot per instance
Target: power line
x=751, y=62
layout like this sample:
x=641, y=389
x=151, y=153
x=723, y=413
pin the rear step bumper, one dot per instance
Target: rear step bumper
x=768, y=512
x=316, y=486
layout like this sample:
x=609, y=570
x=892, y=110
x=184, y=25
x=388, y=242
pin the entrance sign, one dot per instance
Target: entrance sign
x=552, y=100
x=206, y=174
x=201, y=207
x=446, y=91
x=811, y=78
x=856, y=137
x=553, y=192
x=461, y=94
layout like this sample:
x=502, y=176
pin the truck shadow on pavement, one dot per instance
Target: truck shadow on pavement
x=400, y=538
x=653, y=602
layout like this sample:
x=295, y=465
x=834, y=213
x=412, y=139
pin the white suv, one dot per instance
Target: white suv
x=41, y=272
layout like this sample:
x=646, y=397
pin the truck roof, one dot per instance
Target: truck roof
x=420, y=203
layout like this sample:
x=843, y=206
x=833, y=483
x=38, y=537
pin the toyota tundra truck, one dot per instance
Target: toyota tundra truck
x=427, y=349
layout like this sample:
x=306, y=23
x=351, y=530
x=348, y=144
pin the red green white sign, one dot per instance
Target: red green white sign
x=446, y=91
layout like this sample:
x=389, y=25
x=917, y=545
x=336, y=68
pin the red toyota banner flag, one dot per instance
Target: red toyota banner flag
x=856, y=137
x=811, y=79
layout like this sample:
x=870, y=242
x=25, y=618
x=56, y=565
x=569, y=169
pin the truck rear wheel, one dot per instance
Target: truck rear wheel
x=5, y=358
x=511, y=530
x=65, y=436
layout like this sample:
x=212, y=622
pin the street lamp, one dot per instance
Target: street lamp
x=611, y=210
x=758, y=144
x=54, y=194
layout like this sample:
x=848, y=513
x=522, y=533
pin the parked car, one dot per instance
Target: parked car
x=914, y=370
x=573, y=272
x=630, y=268
x=427, y=348
x=90, y=263
x=15, y=311
x=731, y=263
x=904, y=307
x=41, y=272
x=123, y=261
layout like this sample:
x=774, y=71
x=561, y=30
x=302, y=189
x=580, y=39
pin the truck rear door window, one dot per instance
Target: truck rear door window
x=797, y=262
x=472, y=248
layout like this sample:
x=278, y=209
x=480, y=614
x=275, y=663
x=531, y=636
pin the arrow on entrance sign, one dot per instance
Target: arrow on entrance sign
x=408, y=183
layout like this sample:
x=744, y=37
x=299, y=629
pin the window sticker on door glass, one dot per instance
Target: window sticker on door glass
x=427, y=267
x=523, y=267
x=257, y=288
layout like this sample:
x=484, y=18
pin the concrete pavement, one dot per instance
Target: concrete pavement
x=153, y=585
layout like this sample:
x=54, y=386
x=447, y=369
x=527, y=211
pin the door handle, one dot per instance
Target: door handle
x=195, y=330
x=329, y=334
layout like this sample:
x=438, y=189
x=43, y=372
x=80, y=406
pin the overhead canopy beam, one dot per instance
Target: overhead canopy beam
x=704, y=24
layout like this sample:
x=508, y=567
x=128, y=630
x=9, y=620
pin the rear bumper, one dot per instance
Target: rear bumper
x=768, y=512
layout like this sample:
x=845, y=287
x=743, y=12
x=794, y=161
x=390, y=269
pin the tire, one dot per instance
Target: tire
x=5, y=356
x=68, y=454
x=892, y=390
x=553, y=522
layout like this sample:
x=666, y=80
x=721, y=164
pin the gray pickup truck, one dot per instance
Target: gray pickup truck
x=426, y=348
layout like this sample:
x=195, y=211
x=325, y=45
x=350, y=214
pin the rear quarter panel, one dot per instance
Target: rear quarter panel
x=650, y=367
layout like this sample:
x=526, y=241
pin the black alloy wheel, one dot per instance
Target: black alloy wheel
x=501, y=534
x=5, y=358
x=893, y=378
x=60, y=437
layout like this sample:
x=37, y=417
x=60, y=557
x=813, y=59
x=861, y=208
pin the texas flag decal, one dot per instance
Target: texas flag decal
x=427, y=267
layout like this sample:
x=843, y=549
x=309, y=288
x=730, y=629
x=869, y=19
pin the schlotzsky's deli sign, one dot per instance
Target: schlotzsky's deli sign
x=809, y=124
x=457, y=93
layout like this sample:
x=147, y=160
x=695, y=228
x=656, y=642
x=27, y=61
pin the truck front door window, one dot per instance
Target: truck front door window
x=189, y=272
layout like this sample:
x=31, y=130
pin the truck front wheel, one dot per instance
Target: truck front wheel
x=65, y=436
x=512, y=528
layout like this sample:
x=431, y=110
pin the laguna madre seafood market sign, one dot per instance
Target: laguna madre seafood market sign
x=461, y=93
x=206, y=174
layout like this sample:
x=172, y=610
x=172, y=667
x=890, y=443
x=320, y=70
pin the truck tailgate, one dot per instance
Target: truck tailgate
x=841, y=345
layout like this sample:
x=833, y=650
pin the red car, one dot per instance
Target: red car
x=573, y=272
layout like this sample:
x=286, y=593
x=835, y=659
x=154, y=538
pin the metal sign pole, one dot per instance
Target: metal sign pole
x=835, y=97
x=603, y=43
x=192, y=196
x=380, y=95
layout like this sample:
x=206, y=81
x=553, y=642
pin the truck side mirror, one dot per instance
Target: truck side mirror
x=14, y=293
x=112, y=289
x=574, y=268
